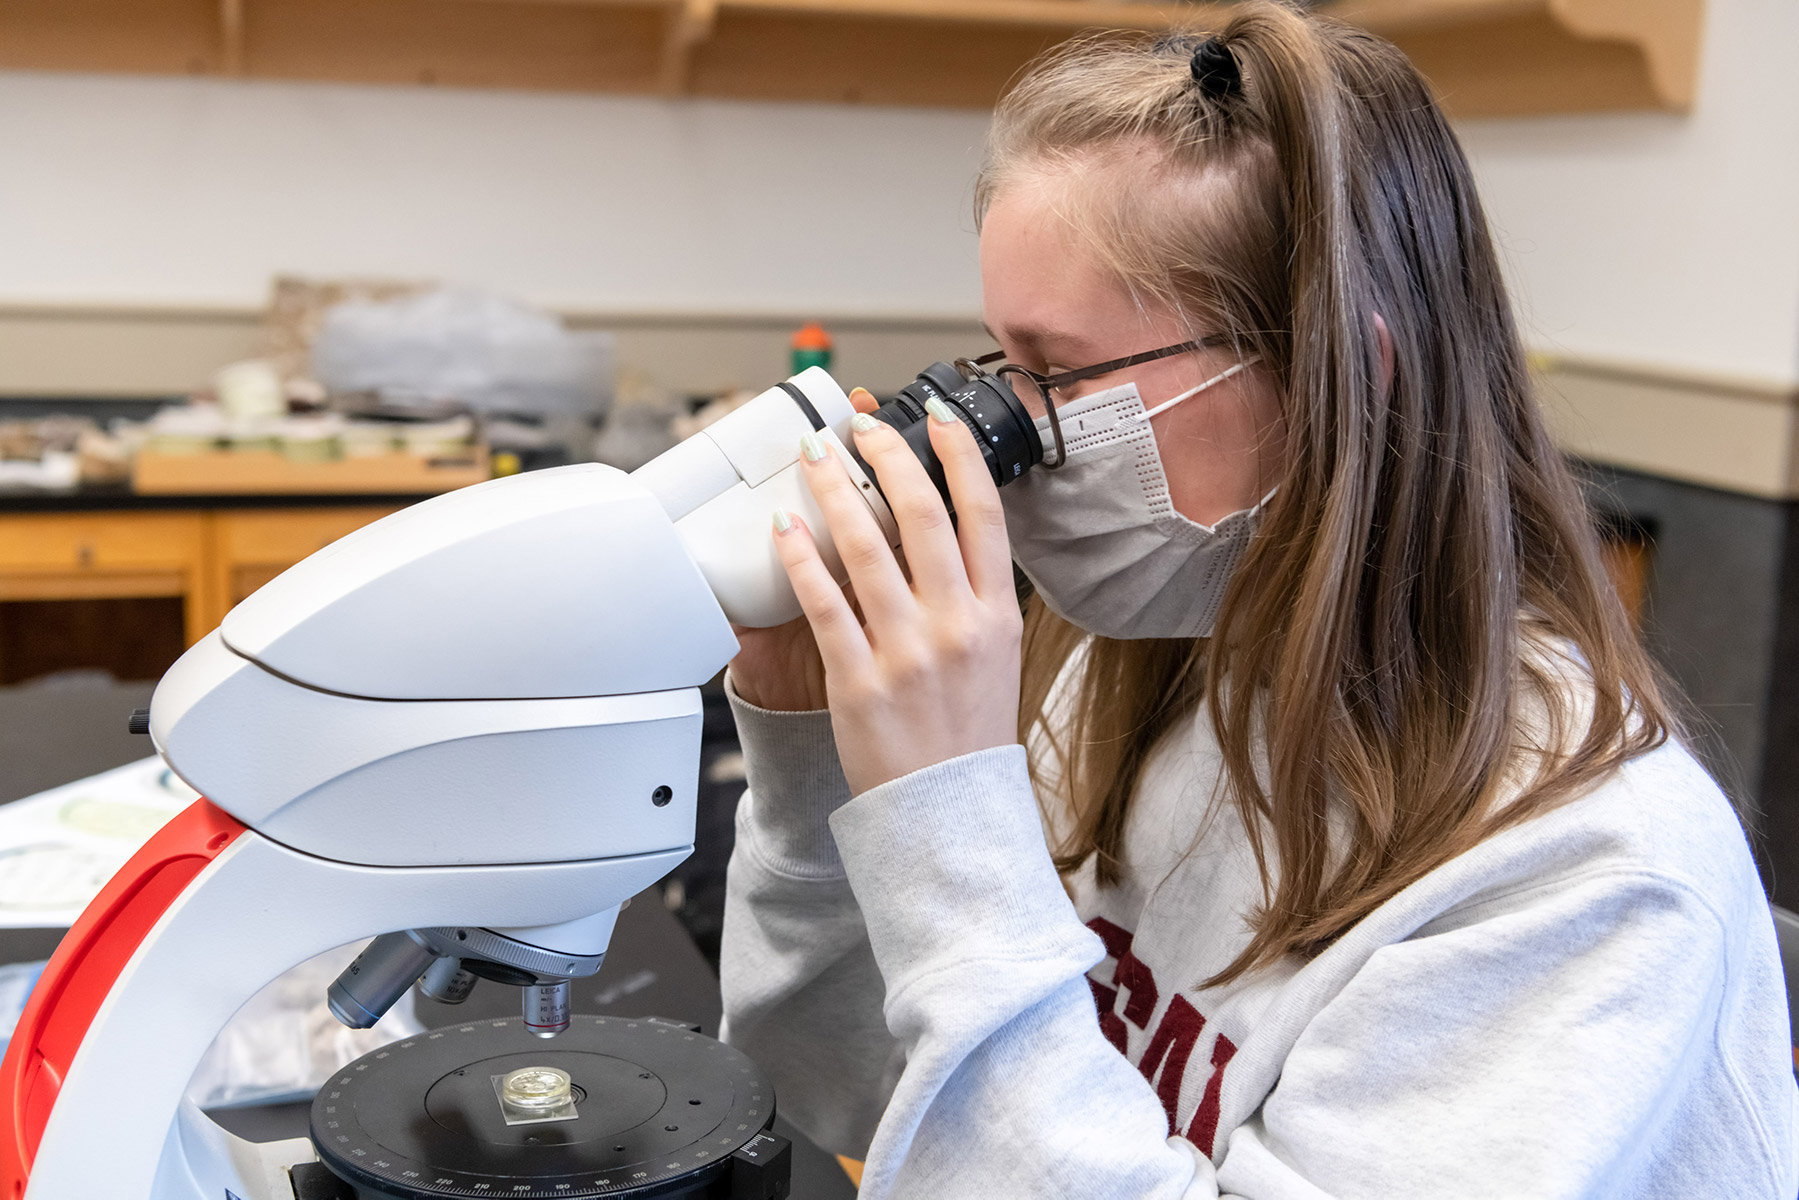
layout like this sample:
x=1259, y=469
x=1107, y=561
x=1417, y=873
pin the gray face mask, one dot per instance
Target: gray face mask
x=1100, y=538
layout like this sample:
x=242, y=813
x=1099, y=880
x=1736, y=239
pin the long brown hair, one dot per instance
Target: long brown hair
x=1396, y=651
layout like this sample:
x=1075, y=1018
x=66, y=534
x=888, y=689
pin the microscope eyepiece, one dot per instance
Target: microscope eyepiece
x=985, y=403
x=720, y=484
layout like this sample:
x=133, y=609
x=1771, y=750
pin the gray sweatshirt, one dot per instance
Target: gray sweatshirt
x=1590, y=1004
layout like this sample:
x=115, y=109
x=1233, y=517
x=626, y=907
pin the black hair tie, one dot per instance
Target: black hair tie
x=1215, y=70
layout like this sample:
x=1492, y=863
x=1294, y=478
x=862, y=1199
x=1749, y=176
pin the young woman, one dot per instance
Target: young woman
x=1350, y=800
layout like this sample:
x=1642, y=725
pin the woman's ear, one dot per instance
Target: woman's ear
x=1384, y=338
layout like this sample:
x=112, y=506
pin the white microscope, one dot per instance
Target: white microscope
x=470, y=730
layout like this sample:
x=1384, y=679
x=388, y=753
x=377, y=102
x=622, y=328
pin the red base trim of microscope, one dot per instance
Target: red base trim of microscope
x=83, y=970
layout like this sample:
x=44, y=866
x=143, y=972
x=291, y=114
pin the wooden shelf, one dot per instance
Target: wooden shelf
x=1520, y=57
x=264, y=472
x=1487, y=57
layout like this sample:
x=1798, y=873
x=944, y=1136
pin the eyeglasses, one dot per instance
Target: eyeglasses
x=1034, y=389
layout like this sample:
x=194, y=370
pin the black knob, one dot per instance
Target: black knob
x=762, y=1170
x=140, y=721
x=312, y=1181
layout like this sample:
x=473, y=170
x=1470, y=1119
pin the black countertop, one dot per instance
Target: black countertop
x=115, y=497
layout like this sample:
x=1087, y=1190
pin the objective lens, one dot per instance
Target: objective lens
x=546, y=1007
x=380, y=975
x=447, y=981
x=986, y=404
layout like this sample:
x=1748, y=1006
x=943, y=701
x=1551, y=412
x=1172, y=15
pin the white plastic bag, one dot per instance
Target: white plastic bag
x=284, y=1043
x=491, y=353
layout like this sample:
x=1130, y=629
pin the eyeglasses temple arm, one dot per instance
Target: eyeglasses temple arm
x=1119, y=364
x=1055, y=429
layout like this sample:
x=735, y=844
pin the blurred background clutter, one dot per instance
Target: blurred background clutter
x=272, y=269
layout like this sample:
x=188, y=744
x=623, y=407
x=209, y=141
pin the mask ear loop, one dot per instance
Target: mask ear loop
x=1194, y=391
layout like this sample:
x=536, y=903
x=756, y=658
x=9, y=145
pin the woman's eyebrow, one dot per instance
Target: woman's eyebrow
x=1024, y=335
x=1037, y=338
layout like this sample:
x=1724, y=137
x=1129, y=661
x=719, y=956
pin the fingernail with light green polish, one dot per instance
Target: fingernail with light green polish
x=783, y=522
x=812, y=446
x=863, y=423
x=939, y=411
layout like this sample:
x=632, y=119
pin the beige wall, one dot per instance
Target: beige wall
x=126, y=351
x=1738, y=435
x=1660, y=240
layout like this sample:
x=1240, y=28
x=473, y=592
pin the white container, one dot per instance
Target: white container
x=310, y=439
x=368, y=439
x=439, y=439
x=253, y=433
x=187, y=429
x=250, y=390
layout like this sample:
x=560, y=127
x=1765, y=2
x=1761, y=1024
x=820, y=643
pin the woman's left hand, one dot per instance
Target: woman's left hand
x=931, y=672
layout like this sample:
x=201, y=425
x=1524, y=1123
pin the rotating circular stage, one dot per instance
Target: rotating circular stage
x=652, y=1109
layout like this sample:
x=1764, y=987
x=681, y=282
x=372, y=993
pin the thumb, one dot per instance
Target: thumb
x=864, y=400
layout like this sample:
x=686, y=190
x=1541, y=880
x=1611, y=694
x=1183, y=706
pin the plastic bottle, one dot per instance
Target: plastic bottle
x=811, y=347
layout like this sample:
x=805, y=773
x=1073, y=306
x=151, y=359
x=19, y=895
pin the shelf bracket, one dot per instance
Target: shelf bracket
x=690, y=22
x=231, y=37
x=1665, y=33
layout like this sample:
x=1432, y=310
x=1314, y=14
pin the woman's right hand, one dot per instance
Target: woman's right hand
x=779, y=668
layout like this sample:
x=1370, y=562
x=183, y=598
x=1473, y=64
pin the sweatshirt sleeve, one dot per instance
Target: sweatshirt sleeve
x=802, y=995
x=1009, y=1088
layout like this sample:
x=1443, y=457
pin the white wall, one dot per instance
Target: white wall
x=1650, y=238
x=1658, y=239
x=191, y=191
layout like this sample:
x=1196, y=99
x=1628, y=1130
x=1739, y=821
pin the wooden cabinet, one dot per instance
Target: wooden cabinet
x=73, y=556
x=1485, y=56
x=209, y=559
x=252, y=547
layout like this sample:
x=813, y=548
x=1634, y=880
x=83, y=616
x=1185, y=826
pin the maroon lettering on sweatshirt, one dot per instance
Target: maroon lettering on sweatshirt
x=1167, y=1054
